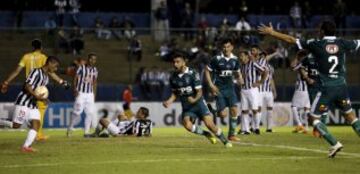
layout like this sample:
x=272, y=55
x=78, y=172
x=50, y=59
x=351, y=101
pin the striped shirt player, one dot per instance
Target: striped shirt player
x=135, y=127
x=266, y=91
x=85, y=82
x=301, y=97
x=250, y=70
x=25, y=102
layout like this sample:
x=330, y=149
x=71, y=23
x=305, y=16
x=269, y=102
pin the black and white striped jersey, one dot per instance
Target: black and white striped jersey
x=250, y=73
x=300, y=83
x=136, y=127
x=266, y=86
x=37, y=77
x=86, y=77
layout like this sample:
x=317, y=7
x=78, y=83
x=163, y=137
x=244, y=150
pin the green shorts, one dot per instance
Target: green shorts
x=331, y=96
x=197, y=111
x=226, y=98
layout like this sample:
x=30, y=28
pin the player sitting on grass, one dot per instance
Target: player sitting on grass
x=140, y=126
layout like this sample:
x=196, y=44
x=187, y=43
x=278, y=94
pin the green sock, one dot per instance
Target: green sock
x=232, y=125
x=356, y=126
x=321, y=127
x=221, y=136
x=323, y=118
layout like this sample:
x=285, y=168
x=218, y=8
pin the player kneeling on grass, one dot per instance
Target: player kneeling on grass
x=140, y=126
x=26, y=110
x=185, y=83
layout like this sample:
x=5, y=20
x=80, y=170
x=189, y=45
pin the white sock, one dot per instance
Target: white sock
x=257, y=120
x=6, y=124
x=304, y=118
x=87, y=124
x=296, y=116
x=245, y=123
x=30, y=138
x=253, y=121
x=74, y=119
x=269, y=119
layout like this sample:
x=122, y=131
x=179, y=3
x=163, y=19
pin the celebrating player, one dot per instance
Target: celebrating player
x=224, y=67
x=185, y=84
x=85, y=82
x=329, y=53
x=26, y=109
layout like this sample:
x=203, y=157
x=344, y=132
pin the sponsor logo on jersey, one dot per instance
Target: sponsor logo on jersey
x=332, y=48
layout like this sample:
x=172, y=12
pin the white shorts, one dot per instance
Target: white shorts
x=85, y=102
x=24, y=114
x=301, y=99
x=267, y=99
x=118, y=127
x=250, y=99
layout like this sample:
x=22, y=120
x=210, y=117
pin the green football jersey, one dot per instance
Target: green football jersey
x=330, y=53
x=222, y=69
x=185, y=84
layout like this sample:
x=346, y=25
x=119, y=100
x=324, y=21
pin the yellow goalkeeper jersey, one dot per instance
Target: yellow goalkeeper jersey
x=35, y=59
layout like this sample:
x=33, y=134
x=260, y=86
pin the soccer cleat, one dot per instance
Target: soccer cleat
x=269, y=130
x=335, y=149
x=233, y=138
x=28, y=149
x=299, y=129
x=69, y=133
x=257, y=131
x=228, y=145
x=244, y=133
x=212, y=139
x=41, y=138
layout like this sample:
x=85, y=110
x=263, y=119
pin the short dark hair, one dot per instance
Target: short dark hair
x=145, y=111
x=226, y=40
x=36, y=44
x=255, y=46
x=91, y=55
x=52, y=59
x=329, y=28
x=178, y=54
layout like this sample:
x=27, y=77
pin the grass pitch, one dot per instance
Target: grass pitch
x=173, y=150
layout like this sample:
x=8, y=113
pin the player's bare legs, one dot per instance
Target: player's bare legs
x=209, y=123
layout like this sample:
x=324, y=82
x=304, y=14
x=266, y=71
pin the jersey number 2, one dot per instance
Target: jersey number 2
x=335, y=61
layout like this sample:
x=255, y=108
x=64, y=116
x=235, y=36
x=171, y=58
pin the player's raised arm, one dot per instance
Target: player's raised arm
x=11, y=77
x=269, y=30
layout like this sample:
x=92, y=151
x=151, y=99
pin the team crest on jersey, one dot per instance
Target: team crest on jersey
x=322, y=108
x=332, y=48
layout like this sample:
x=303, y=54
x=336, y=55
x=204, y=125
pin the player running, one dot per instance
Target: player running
x=329, y=53
x=185, y=84
x=224, y=67
x=26, y=109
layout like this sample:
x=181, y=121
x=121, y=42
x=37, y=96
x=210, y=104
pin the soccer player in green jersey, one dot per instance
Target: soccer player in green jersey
x=186, y=85
x=329, y=53
x=223, y=68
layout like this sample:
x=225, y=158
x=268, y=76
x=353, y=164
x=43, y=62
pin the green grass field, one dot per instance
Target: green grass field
x=173, y=150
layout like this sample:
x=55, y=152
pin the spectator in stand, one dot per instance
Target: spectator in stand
x=115, y=27
x=243, y=9
x=203, y=26
x=76, y=40
x=162, y=20
x=50, y=26
x=74, y=11
x=295, y=15
x=135, y=49
x=282, y=56
x=60, y=11
x=307, y=14
x=128, y=26
x=154, y=83
x=242, y=25
x=163, y=78
x=63, y=41
x=100, y=30
x=144, y=84
x=339, y=12
x=187, y=21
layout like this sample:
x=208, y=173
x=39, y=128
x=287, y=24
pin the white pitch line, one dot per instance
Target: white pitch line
x=159, y=161
x=357, y=155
